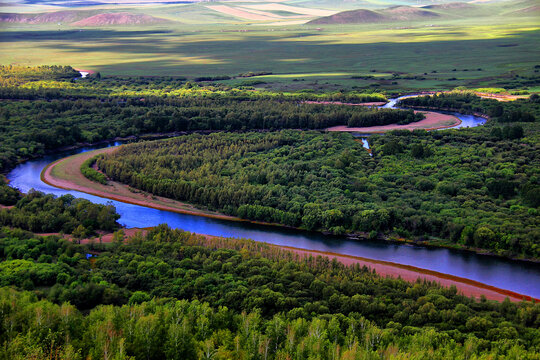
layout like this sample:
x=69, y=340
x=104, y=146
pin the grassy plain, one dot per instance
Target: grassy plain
x=431, y=53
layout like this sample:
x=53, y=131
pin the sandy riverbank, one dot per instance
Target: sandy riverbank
x=433, y=121
x=411, y=273
x=65, y=174
x=467, y=287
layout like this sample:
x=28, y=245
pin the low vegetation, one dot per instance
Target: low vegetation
x=90, y=173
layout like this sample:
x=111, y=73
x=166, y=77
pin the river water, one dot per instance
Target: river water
x=518, y=276
x=466, y=120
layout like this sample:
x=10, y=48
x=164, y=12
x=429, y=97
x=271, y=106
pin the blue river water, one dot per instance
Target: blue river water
x=466, y=120
x=521, y=277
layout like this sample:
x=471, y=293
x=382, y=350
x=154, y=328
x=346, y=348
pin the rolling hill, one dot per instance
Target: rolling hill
x=81, y=18
x=66, y=16
x=407, y=13
x=351, y=17
x=363, y=16
x=122, y=18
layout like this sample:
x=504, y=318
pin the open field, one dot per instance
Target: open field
x=181, y=53
x=291, y=9
x=491, y=45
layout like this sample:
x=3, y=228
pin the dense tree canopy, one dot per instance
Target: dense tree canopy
x=259, y=295
x=448, y=185
x=169, y=294
x=64, y=111
x=38, y=212
x=378, y=117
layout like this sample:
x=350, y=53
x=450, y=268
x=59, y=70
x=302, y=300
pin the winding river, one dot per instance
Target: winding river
x=518, y=276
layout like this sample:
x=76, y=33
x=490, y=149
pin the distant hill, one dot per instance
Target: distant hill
x=533, y=10
x=407, y=13
x=66, y=16
x=453, y=5
x=81, y=18
x=351, y=17
x=122, y=18
x=363, y=16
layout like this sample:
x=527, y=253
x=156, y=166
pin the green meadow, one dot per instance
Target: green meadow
x=487, y=45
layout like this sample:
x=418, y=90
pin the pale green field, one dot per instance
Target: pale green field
x=445, y=52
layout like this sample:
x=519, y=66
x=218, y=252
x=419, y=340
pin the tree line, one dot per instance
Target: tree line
x=147, y=297
x=379, y=117
x=44, y=109
x=457, y=185
x=87, y=169
x=42, y=213
x=512, y=111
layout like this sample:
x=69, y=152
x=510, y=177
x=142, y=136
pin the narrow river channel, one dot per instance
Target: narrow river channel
x=518, y=276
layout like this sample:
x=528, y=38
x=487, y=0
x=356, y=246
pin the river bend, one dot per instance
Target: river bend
x=518, y=276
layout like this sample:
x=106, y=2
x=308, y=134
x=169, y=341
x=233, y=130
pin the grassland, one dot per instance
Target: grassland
x=488, y=47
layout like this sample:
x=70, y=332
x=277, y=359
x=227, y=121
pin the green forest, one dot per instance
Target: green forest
x=42, y=213
x=473, y=189
x=149, y=298
x=170, y=294
x=42, y=114
x=377, y=117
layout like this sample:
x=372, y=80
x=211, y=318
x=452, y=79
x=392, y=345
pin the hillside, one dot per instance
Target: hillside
x=81, y=18
x=363, y=16
x=407, y=13
x=122, y=18
x=351, y=17
x=533, y=10
x=67, y=16
x=453, y=5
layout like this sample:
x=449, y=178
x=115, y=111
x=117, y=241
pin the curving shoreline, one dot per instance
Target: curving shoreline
x=433, y=121
x=466, y=287
x=73, y=180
